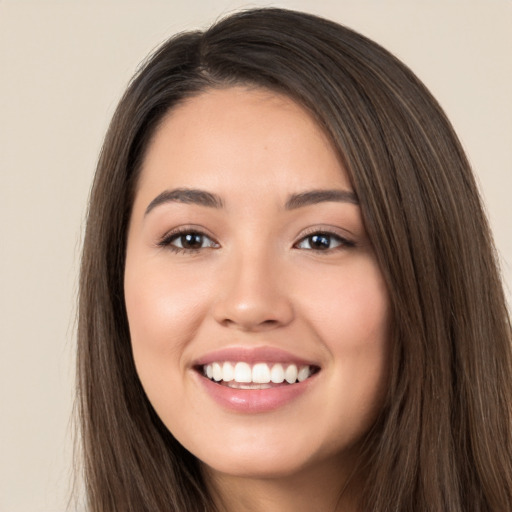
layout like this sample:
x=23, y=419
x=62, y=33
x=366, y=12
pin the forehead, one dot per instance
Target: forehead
x=240, y=134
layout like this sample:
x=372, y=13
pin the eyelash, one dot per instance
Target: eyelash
x=343, y=243
x=169, y=238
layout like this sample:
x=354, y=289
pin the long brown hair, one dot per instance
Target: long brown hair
x=444, y=439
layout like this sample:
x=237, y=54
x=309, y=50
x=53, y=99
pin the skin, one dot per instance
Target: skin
x=254, y=281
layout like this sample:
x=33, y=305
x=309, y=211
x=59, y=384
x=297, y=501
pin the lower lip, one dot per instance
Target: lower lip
x=254, y=400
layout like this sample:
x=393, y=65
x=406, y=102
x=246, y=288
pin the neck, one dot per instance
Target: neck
x=326, y=489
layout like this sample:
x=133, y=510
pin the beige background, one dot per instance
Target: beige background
x=63, y=66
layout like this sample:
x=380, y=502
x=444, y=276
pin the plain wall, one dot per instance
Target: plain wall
x=63, y=66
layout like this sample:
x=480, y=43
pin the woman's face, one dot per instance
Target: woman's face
x=248, y=263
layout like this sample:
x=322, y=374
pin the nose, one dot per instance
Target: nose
x=252, y=295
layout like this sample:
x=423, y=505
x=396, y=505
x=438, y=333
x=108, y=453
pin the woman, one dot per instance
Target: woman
x=289, y=296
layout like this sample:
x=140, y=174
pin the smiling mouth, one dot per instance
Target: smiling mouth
x=242, y=375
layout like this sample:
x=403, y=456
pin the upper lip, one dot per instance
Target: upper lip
x=251, y=355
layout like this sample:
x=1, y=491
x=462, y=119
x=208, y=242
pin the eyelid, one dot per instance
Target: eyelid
x=344, y=234
x=166, y=239
x=339, y=234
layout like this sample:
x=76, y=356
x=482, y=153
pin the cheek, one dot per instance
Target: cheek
x=351, y=317
x=350, y=308
x=164, y=308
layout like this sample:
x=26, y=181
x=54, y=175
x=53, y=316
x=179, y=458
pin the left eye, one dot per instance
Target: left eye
x=322, y=242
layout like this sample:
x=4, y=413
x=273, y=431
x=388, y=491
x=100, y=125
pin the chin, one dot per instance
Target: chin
x=262, y=467
x=277, y=458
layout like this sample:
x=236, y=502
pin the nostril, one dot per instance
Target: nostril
x=248, y=325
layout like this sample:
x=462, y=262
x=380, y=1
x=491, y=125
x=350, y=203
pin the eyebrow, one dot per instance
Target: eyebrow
x=204, y=198
x=320, y=196
x=186, y=195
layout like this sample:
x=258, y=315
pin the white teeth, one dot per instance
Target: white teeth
x=228, y=372
x=243, y=373
x=304, y=373
x=217, y=372
x=259, y=373
x=236, y=385
x=290, y=374
x=277, y=374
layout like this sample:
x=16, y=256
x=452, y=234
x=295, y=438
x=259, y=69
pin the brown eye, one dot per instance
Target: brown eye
x=323, y=242
x=320, y=242
x=188, y=241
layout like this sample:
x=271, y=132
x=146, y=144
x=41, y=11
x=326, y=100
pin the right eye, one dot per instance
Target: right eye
x=188, y=241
